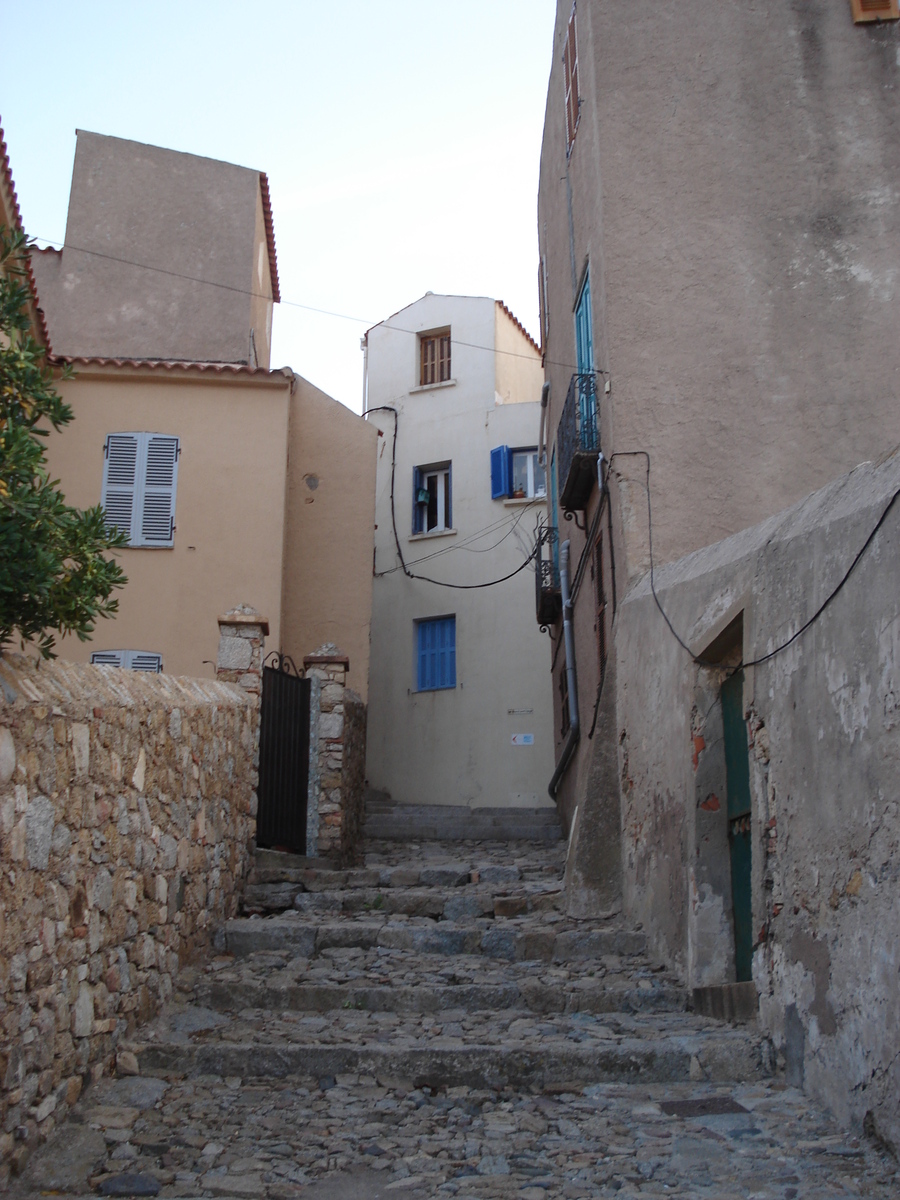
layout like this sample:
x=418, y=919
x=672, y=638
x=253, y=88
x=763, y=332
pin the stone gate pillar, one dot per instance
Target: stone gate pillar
x=242, y=647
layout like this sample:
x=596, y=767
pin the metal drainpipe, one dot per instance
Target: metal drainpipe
x=364, y=346
x=545, y=397
x=569, y=643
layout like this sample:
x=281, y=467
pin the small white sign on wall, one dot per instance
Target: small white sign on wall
x=523, y=739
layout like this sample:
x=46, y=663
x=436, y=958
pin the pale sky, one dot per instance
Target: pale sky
x=401, y=139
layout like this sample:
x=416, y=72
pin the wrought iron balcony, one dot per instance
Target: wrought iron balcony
x=546, y=576
x=578, y=443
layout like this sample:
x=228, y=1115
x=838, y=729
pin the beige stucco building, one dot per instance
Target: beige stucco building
x=238, y=484
x=459, y=710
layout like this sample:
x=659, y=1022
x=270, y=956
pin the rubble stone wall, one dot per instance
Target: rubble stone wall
x=127, y=809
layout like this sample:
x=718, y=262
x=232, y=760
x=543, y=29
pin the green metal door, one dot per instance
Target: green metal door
x=737, y=767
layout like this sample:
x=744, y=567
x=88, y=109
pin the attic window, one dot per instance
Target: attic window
x=875, y=10
x=434, y=358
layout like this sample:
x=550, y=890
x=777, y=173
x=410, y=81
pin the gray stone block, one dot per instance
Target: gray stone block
x=499, y=943
x=493, y=873
x=429, y=941
x=598, y=943
x=39, y=833
x=348, y=935
x=466, y=905
x=448, y=875
x=235, y=654
x=244, y=936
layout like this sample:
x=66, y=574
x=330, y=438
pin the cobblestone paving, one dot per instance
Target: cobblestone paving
x=688, y=1108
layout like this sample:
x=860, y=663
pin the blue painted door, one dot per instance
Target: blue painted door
x=737, y=769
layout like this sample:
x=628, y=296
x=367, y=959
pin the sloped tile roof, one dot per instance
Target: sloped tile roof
x=270, y=234
x=6, y=181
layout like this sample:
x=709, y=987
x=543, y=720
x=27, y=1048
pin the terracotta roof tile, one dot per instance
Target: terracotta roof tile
x=270, y=234
x=216, y=368
x=10, y=188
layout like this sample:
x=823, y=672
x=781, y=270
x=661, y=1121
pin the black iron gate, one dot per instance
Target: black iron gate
x=283, y=756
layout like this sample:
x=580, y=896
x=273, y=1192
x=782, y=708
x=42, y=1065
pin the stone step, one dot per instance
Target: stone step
x=325, y=878
x=533, y=996
x=450, y=904
x=435, y=822
x=304, y=937
x=714, y=1056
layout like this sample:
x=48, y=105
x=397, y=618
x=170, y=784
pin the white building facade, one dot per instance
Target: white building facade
x=459, y=709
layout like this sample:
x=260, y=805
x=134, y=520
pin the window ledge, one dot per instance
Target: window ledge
x=519, y=501
x=432, y=533
x=432, y=387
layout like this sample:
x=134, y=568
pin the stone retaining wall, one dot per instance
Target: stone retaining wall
x=127, y=809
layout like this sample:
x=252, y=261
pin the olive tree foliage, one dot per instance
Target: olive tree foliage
x=55, y=576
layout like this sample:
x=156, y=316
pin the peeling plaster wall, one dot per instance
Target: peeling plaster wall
x=824, y=745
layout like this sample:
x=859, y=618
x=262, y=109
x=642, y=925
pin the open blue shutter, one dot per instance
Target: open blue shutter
x=160, y=481
x=120, y=482
x=448, y=653
x=501, y=472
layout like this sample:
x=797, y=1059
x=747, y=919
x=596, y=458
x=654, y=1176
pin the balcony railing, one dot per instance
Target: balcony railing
x=546, y=575
x=578, y=442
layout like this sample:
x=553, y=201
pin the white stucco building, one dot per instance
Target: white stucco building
x=459, y=708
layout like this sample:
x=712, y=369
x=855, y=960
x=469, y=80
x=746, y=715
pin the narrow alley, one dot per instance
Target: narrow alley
x=432, y=1024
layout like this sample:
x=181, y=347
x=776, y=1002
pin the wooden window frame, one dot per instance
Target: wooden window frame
x=874, y=10
x=434, y=358
x=570, y=68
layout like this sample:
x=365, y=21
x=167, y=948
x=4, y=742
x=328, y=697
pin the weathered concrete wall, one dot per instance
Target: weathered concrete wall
x=127, y=810
x=195, y=221
x=733, y=189
x=823, y=746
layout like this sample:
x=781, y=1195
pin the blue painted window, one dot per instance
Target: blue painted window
x=436, y=658
x=432, y=491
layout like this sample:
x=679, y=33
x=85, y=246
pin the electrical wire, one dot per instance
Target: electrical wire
x=326, y=312
x=406, y=571
x=755, y=662
x=464, y=544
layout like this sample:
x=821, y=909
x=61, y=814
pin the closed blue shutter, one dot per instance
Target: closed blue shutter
x=501, y=472
x=436, y=654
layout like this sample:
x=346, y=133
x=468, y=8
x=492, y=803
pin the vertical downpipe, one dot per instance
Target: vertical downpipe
x=571, y=678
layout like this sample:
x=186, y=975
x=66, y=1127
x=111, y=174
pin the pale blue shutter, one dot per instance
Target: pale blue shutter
x=108, y=658
x=121, y=463
x=448, y=513
x=501, y=472
x=142, y=660
x=160, y=482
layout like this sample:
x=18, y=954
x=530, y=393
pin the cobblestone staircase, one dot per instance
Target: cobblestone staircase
x=432, y=1024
